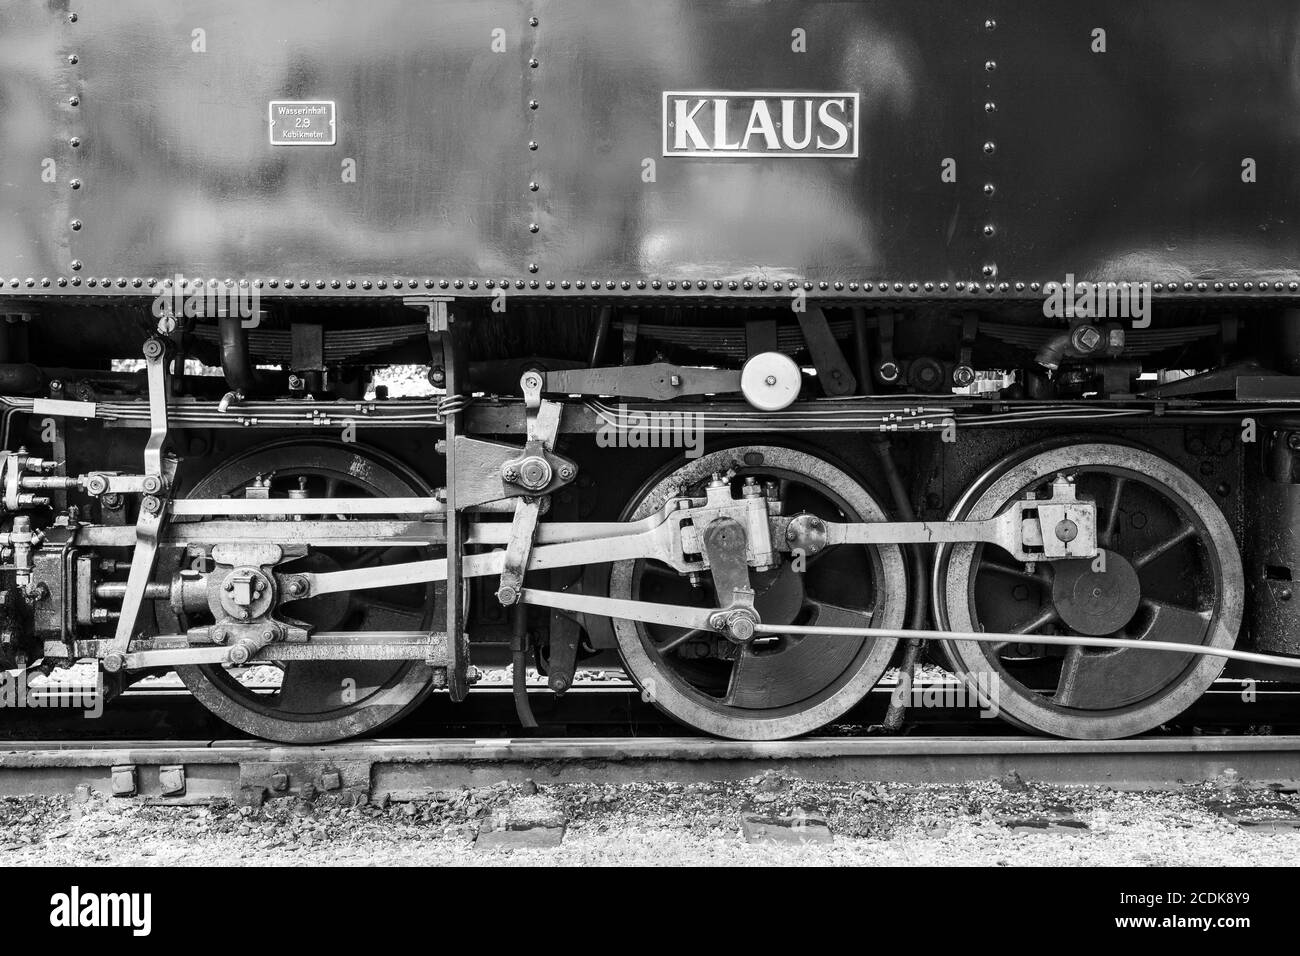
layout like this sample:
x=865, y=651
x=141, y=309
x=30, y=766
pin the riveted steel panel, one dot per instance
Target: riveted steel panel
x=525, y=141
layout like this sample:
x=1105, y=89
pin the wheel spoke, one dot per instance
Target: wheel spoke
x=1038, y=576
x=386, y=615
x=1107, y=534
x=1143, y=558
x=681, y=639
x=1172, y=622
x=1045, y=617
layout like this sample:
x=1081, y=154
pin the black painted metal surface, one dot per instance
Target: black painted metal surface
x=1118, y=165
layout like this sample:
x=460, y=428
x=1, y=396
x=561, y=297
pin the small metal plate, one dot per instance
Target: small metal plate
x=302, y=123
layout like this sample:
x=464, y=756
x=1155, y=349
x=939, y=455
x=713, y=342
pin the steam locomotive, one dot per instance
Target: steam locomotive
x=764, y=344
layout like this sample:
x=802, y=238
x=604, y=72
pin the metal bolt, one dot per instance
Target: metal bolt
x=567, y=472
x=279, y=781
x=219, y=635
x=151, y=504
x=152, y=483
x=510, y=473
x=507, y=595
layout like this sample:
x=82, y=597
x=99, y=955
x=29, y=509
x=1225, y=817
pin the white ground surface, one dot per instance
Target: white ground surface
x=668, y=824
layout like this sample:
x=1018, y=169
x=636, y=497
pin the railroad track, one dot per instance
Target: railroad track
x=613, y=707
x=170, y=772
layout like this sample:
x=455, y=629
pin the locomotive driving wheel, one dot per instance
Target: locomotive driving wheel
x=306, y=701
x=1168, y=570
x=780, y=685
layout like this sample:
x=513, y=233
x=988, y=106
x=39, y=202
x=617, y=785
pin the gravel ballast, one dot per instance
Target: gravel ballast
x=1003, y=823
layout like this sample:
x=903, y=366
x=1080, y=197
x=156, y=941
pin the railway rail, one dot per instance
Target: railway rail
x=172, y=772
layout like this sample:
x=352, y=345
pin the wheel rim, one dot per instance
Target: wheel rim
x=320, y=701
x=1172, y=572
x=786, y=685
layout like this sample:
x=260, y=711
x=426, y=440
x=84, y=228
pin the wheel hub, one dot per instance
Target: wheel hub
x=1094, y=601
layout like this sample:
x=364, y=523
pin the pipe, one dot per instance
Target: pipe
x=236, y=362
x=915, y=556
x=519, y=675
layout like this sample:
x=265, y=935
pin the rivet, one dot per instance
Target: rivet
x=45, y=283
x=882, y=286
x=532, y=283
x=533, y=187
x=519, y=283
x=898, y=287
x=733, y=285
x=640, y=283
x=533, y=63
x=989, y=230
x=762, y=285
x=550, y=283
x=989, y=189
x=72, y=18
x=62, y=281
x=1187, y=286
x=532, y=144
x=459, y=283
x=366, y=284
x=990, y=107
x=960, y=286
x=92, y=282
x=1245, y=285
x=625, y=285
x=1201, y=286
x=30, y=282
x=717, y=284
x=533, y=104
x=943, y=287
x=532, y=21
x=671, y=285
x=839, y=287
x=121, y=283
x=76, y=280
x=655, y=283
x=335, y=284
x=75, y=183
x=74, y=142
x=443, y=283
x=320, y=284
x=1218, y=287
x=532, y=267
x=777, y=286
x=533, y=227
x=1159, y=287
x=929, y=287
x=74, y=100
x=1278, y=286
x=76, y=265
x=564, y=283
x=1232, y=286
x=990, y=147
x=990, y=65
x=1020, y=287
x=76, y=225
x=990, y=24
x=853, y=287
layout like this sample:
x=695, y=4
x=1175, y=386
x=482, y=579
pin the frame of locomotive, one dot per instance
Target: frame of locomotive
x=904, y=443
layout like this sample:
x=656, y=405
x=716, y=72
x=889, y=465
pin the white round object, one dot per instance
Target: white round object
x=770, y=381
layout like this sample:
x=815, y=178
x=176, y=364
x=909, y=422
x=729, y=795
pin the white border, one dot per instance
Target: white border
x=334, y=116
x=738, y=154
